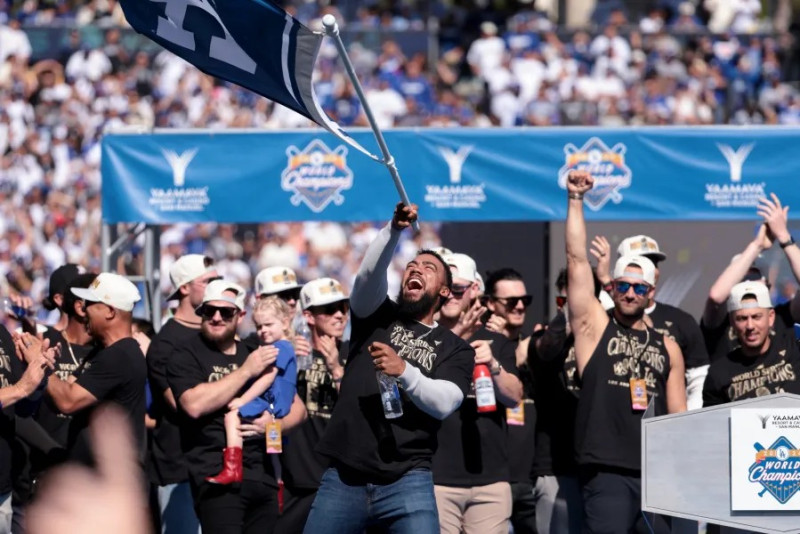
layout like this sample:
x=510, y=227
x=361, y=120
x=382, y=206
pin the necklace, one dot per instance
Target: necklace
x=430, y=329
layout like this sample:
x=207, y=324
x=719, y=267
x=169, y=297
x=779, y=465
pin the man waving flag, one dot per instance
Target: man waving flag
x=253, y=43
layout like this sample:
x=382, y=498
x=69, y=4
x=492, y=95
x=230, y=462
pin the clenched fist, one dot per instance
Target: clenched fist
x=579, y=182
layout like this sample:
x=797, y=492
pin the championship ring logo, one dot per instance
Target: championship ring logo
x=606, y=165
x=317, y=175
x=777, y=469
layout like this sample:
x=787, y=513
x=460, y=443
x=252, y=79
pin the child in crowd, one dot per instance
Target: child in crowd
x=272, y=392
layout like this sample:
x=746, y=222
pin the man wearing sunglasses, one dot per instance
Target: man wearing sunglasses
x=470, y=468
x=507, y=299
x=326, y=309
x=166, y=469
x=379, y=474
x=116, y=373
x=209, y=370
x=623, y=366
x=664, y=318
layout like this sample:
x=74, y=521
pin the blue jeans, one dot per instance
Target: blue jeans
x=177, y=509
x=406, y=506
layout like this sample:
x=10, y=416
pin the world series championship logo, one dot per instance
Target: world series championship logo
x=317, y=175
x=606, y=165
x=777, y=469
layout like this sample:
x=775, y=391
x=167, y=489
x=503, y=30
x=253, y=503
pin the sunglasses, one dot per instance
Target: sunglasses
x=561, y=300
x=332, y=308
x=226, y=312
x=511, y=302
x=639, y=289
x=458, y=290
x=289, y=294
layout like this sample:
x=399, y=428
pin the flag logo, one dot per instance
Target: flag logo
x=316, y=175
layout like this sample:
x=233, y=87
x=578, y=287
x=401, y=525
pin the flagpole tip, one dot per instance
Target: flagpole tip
x=329, y=22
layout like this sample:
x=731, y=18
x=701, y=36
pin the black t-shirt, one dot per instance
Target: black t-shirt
x=473, y=446
x=116, y=374
x=197, y=361
x=11, y=369
x=721, y=340
x=554, y=374
x=522, y=438
x=737, y=377
x=302, y=465
x=607, y=428
x=165, y=462
x=69, y=360
x=358, y=434
x=681, y=327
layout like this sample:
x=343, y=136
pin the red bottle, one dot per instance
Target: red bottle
x=484, y=389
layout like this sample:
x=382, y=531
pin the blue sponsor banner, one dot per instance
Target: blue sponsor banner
x=453, y=174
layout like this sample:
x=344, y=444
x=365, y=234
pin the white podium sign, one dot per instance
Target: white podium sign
x=765, y=459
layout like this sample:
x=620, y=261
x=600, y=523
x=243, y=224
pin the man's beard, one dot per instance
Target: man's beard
x=223, y=337
x=407, y=309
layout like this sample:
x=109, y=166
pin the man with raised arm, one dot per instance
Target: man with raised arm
x=380, y=473
x=623, y=366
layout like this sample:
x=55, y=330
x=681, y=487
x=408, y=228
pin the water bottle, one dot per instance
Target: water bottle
x=14, y=311
x=302, y=329
x=390, y=396
x=484, y=389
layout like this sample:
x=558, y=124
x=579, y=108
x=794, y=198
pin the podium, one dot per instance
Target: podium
x=735, y=465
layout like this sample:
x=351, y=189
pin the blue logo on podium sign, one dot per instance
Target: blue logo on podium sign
x=777, y=469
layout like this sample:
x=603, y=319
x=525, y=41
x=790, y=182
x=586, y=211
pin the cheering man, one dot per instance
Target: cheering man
x=380, y=468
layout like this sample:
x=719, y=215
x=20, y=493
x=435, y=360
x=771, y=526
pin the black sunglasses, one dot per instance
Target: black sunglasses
x=639, y=289
x=226, y=312
x=332, y=308
x=511, y=302
x=459, y=290
x=289, y=294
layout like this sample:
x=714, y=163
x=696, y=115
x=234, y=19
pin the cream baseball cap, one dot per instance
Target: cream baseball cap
x=188, y=268
x=274, y=280
x=217, y=289
x=112, y=289
x=648, y=273
x=462, y=266
x=748, y=290
x=641, y=245
x=320, y=292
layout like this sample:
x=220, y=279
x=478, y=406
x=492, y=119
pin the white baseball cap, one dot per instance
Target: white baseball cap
x=112, y=289
x=188, y=268
x=648, y=273
x=274, y=280
x=217, y=289
x=462, y=266
x=320, y=292
x=749, y=290
x=641, y=245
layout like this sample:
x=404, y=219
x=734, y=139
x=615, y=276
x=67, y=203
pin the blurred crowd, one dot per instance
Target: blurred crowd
x=709, y=62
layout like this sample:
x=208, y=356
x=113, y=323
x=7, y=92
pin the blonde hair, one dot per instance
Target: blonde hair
x=277, y=307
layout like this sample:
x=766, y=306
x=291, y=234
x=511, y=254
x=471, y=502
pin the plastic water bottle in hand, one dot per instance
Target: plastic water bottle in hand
x=390, y=396
x=302, y=329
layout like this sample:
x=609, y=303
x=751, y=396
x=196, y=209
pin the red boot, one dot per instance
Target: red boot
x=231, y=467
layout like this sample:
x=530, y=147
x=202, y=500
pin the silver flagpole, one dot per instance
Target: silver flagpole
x=332, y=30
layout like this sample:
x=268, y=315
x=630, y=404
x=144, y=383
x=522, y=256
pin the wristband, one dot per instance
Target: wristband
x=495, y=368
x=787, y=243
x=576, y=196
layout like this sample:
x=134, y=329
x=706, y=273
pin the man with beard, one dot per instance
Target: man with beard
x=166, y=469
x=325, y=308
x=116, y=373
x=207, y=372
x=623, y=366
x=762, y=364
x=380, y=468
x=470, y=468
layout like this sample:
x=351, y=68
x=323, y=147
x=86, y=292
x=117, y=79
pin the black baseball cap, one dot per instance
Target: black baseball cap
x=59, y=283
